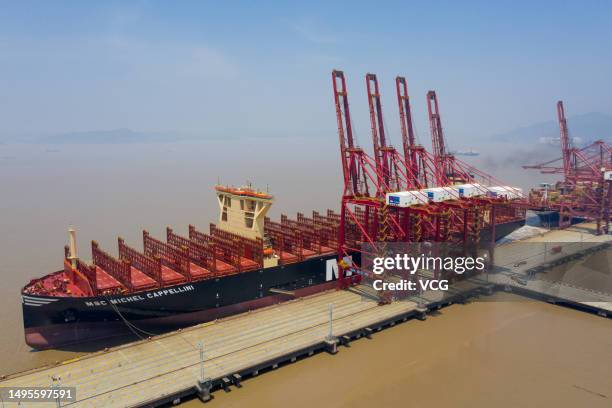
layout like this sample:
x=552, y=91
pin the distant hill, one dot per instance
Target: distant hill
x=586, y=128
x=115, y=136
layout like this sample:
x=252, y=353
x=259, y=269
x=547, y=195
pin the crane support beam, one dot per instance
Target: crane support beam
x=411, y=150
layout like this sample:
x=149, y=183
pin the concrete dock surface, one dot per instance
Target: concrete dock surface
x=523, y=266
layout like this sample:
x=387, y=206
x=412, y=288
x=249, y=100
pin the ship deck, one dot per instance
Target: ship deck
x=106, y=281
x=59, y=283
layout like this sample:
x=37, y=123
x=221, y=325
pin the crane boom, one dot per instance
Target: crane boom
x=385, y=156
x=345, y=133
x=443, y=161
x=566, y=145
x=405, y=111
x=437, y=134
x=408, y=139
x=378, y=130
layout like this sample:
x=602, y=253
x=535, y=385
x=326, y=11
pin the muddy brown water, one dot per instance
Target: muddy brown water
x=503, y=352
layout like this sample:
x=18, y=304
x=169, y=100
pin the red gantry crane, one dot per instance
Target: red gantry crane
x=438, y=212
x=586, y=189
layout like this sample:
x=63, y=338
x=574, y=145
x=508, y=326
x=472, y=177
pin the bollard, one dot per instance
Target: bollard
x=331, y=346
x=203, y=389
x=421, y=313
x=236, y=379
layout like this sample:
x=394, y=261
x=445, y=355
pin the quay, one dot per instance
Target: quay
x=521, y=267
x=216, y=355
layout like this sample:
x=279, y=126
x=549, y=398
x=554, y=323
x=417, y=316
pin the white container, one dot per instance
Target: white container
x=608, y=175
x=468, y=190
x=406, y=198
x=508, y=192
x=438, y=194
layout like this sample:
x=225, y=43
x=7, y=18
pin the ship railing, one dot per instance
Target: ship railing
x=83, y=276
x=329, y=227
x=323, y=231
x=208, y=242
x=119, y=269
x=285, y=240
x=201, y=255
x=149, y=266
x=229, y=250
x=91, y=278
x=311, y=237
x=251, y=248
x=174, y=258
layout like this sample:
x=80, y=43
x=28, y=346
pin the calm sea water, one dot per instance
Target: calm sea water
x=504, y=352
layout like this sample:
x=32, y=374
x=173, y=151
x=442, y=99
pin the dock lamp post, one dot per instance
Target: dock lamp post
x=56, y=385
x=330, y=335
x=201, y=348
x=331, y=342
x=204, y=384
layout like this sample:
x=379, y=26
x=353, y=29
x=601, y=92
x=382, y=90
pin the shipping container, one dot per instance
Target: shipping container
x=468, y=190
x=508, y=192
x=438, y=194
x=406, y=198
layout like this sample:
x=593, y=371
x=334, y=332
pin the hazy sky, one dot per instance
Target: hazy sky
x=257, y=70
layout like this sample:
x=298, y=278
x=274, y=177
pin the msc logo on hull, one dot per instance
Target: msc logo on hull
x=331, y=269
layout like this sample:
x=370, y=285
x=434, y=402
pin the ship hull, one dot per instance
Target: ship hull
x=54, y=322
x=57, y=321
x=550, y=219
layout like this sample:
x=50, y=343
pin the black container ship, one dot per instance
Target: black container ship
x=244, y=262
